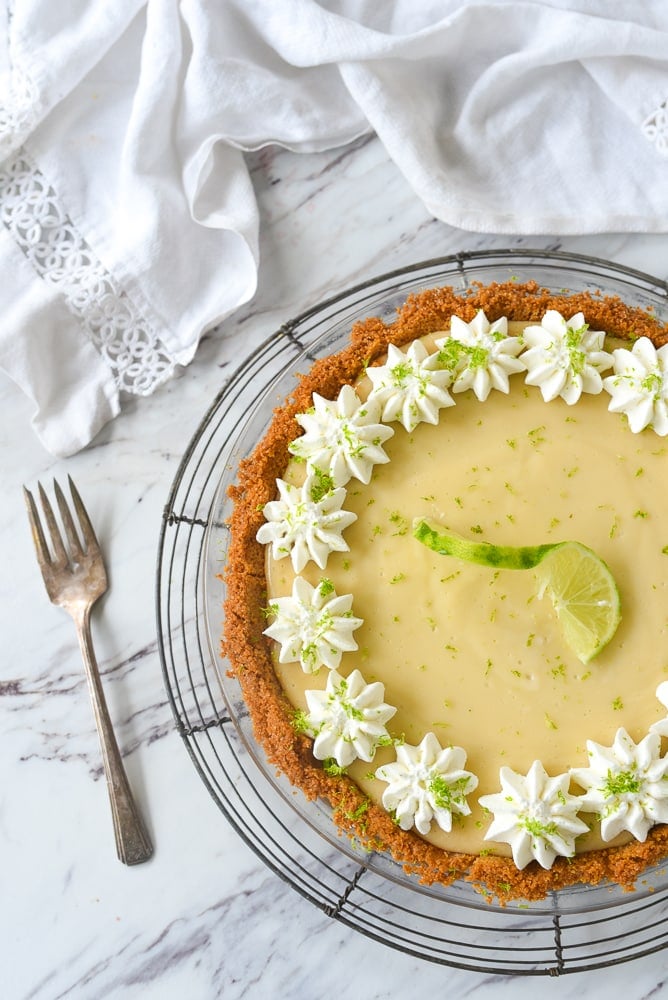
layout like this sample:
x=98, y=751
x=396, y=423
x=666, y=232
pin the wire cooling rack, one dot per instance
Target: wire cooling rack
x=576, y=929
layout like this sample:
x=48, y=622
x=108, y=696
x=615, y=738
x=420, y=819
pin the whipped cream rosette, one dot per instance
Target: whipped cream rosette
x=425, y=783
x=306, y=522
x=480, y=355
x=348, y=719
x=564, y=357
x=639, y=386
x=343, y=437
x=313, y=626
x=411, y=387
x=535, y=814
x=626, y=785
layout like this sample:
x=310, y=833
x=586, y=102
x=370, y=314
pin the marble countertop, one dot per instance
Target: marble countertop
x=205, y=917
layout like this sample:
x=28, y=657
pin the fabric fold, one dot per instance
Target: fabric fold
x=123, y=128
x=48, y=365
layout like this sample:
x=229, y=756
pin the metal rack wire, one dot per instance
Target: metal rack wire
x=575, y=929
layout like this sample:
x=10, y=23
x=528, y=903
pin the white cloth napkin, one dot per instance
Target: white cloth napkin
x=130, y=224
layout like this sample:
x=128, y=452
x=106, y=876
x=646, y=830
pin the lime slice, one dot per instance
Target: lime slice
x=584, y=595
x=582, y=588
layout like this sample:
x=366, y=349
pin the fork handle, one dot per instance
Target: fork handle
x=133, y=844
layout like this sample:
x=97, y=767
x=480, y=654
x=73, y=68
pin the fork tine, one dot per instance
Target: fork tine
x=42, y=549
x=86, y=527
x=56, y=540
x=68, y=523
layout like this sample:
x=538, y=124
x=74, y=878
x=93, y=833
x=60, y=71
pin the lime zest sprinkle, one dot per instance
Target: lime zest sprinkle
x=322, y=485
x=577, y=356
x=300, y=722
x=333, y=769
x=622, y=783
x=537, y=829
x=400, y=522
x=446, y=793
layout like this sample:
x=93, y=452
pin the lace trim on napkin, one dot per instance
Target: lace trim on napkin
x=20, y=111
x=30, y=209
x=655, y=128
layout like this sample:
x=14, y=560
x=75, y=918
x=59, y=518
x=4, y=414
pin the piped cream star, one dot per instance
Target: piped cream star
x=639, y=386
x=626, y=785
x=343, y=438
x=535, y=814
x=480, y=355
x=565, y=358
x=348, y=719
x=306, y=522
x=314, y=625
x=411, y=387
x=426, y=783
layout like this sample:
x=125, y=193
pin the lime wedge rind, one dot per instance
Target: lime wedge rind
x=448, y=543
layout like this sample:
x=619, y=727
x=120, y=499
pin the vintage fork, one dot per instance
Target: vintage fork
x=75, y=576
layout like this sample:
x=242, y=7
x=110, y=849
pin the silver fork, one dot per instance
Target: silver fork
x=75, y=576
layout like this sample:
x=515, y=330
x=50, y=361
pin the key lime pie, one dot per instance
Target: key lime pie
x=447, y=588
